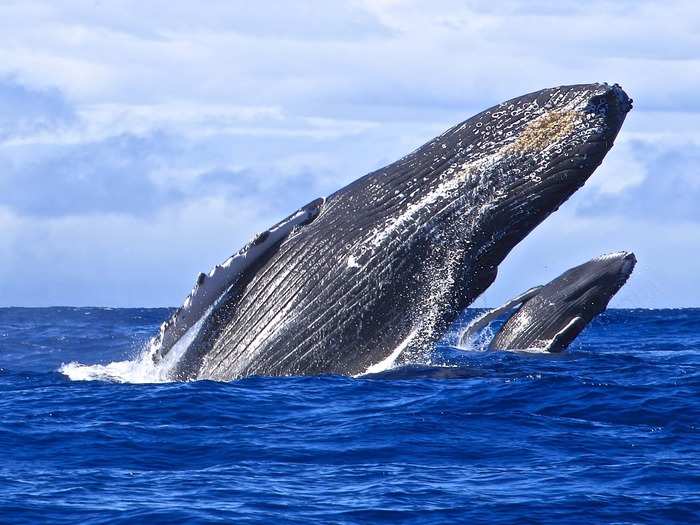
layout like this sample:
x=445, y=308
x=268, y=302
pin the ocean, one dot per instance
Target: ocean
x=605, y=433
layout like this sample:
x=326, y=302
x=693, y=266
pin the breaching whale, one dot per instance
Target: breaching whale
x=551, y=316
x=384, y=265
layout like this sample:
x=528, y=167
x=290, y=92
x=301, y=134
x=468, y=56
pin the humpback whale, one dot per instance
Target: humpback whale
x=551, y=316
x=383, y=266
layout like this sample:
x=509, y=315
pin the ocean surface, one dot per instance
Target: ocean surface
x=606, y=433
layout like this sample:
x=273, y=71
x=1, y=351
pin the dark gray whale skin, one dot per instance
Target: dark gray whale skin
x=558, y=311
x=395, y=256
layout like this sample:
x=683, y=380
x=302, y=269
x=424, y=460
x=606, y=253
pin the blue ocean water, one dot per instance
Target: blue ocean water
x=606, y=433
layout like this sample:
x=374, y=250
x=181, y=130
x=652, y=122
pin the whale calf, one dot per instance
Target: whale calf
x=550, y=317
x=383, y=266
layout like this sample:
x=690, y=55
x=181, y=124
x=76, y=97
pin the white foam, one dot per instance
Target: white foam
x=139, y=370
x=142, y=369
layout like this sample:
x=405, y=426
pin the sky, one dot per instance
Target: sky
x=144, y=142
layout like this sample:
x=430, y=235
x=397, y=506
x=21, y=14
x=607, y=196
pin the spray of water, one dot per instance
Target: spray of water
x=142, y=369
x=478, y=343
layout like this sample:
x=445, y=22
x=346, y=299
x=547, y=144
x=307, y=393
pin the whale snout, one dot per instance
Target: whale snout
x=587, y=119
x=626, y=267
x=610, y=272
x=628, y=263
x=614, y=103
x=619, y=262
x=621, y=101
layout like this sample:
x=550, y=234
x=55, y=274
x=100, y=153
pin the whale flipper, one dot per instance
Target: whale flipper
x=230, y=276
x=567, y=334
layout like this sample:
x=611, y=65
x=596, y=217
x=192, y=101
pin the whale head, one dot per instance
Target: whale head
x=558, y=137
x=451, y=211
x=593, y=284
x=563, y=308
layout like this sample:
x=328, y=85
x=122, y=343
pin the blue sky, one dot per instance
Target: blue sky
x=143, y=142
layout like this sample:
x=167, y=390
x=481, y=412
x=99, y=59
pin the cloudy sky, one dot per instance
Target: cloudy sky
x=143, y=142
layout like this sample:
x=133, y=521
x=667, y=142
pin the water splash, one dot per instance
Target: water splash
x=143, y=369
x=479, y=342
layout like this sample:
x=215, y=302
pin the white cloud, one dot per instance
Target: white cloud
x=98, y=122
x=621, y=171
x=159, y=128
x=664, y=277
x=122, y=260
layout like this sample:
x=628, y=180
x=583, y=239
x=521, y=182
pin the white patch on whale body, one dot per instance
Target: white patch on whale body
x=521, y=323
x=561, y=333
x=388, y=362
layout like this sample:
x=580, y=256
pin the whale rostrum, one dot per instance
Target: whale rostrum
x=379, y=270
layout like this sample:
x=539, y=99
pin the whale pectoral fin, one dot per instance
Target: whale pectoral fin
x=482, y=322
x=232, y=275
x=567, y=334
